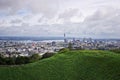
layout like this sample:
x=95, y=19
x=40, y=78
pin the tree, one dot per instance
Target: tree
x=10, y=61
x=35, y=57
x=70, y=46
x=47, y=55
x=63, y=50
x=2, y=61
x=20, y=60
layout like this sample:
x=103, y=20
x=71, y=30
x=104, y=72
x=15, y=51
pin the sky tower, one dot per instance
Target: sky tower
x=65, y=39
x=64, y=35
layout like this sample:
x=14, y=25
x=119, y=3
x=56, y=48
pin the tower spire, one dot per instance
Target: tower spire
x=65, y=40
x=64, y=35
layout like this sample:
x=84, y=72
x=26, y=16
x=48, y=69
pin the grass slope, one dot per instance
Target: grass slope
x=73, y=65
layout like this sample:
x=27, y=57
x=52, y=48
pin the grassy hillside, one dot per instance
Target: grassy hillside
x=72, y=65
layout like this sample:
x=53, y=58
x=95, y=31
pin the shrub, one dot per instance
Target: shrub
x=26, y=60
x=2, y=61
x=20, y=60
x=10, y=60
x=64, y=50
x=116, y=51
x=47, y=55
x=70, y=46
x=35, y=57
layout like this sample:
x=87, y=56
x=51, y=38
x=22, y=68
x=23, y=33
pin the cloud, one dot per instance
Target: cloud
x=16, y=21
x=48, y=8
x=71, y=15
x=12, y=6
x=104, y=23
x=88, y=18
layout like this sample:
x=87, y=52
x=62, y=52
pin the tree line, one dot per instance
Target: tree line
x=22, y=59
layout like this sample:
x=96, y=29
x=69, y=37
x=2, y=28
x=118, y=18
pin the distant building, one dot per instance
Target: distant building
x=65, y=39
x=74, y=40
x=53, y=43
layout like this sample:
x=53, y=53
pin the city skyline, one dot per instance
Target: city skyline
x=76, y=18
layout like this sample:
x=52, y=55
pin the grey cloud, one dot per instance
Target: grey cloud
x=12, y=5
x=48, y=8
x=16, y=21
x=68, y=14
x=25, y=24
x=104, y=23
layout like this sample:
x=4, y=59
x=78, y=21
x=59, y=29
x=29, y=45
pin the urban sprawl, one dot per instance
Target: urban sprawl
x=28, y=48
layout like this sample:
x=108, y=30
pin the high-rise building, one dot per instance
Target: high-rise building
x=74, y=40
x=65, y=39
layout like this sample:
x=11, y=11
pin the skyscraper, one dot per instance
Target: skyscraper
x=65, y=39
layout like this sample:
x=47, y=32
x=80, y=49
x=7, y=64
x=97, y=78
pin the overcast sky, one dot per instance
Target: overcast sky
x=76, y=18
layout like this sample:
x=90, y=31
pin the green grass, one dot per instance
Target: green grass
x=72, y=65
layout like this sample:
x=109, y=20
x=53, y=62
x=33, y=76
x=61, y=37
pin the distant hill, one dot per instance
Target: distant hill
x=71, y=65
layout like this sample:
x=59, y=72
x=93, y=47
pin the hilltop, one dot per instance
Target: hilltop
x=69, y=65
